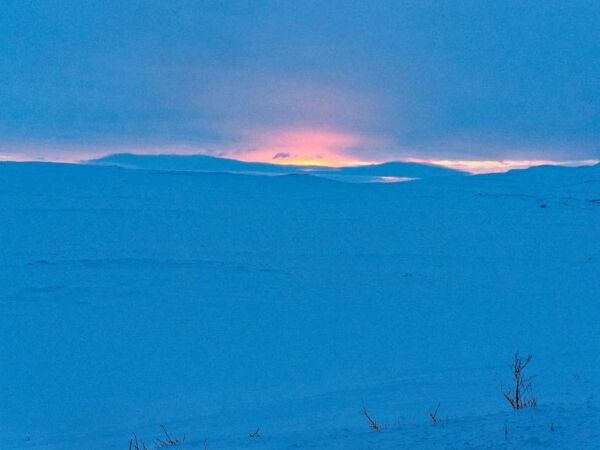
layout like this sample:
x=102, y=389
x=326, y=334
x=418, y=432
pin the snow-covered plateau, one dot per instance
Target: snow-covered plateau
x=224, y=305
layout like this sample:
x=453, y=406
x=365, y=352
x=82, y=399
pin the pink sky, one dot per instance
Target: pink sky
x=295, y=146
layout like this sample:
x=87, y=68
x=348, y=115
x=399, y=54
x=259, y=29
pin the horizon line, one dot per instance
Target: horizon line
x=472, y=166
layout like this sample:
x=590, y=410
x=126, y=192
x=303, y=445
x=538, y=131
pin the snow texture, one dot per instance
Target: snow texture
x=215, y=304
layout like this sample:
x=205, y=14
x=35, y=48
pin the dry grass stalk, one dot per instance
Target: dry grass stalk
x=372, y=422
x=433, y=415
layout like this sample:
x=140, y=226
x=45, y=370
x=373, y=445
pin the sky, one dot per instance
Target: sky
x=469, y=84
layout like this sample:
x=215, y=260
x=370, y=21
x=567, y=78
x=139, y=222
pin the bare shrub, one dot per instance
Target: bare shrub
x=160, y=442
x=520, y=396
x=372, y=422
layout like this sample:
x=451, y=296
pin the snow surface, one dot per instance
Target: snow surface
x=217, y=304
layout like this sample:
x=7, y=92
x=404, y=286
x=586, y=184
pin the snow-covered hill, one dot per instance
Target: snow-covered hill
x=216, y=304
x=205, y=163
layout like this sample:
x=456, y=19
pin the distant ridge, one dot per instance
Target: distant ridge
x=205, y=163
x=548, y=169
x=400, y=169
x=199, y=163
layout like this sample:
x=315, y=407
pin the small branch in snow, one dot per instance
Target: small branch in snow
x=372, y=422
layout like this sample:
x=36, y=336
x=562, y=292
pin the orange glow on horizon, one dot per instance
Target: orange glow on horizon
x=303, y=147
x=290, y=146
x=334, y=148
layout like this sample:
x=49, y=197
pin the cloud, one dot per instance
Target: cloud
x=385, y=83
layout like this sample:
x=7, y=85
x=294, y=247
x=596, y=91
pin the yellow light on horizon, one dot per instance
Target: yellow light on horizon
x=497, y=166
x=302, y=147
